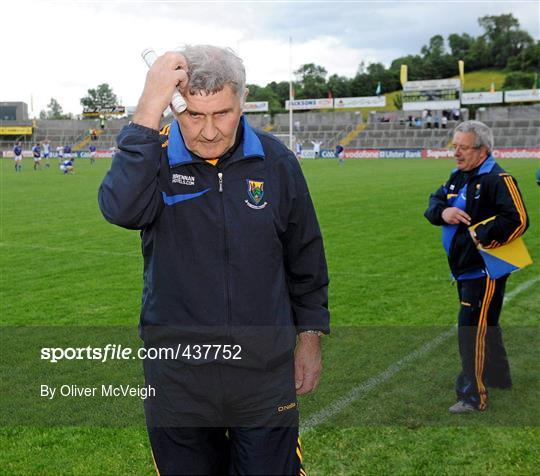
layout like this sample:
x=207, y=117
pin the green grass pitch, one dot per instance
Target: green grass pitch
x=390, y=293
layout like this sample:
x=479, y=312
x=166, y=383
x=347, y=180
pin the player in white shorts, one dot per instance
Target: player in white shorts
x=60, y=153
x=46, y=153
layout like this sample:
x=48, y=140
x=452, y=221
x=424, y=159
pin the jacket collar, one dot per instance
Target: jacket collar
x=485, y=168
x=178, y=154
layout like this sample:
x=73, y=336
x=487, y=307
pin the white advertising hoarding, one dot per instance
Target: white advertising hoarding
x=482, y=98
x=522, y=95
x=368, y=101
x=430, y=105
x=299, y=104
x=256, y=106
x=432, y=85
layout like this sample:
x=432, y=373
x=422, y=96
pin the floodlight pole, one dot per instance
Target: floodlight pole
x=291, y=145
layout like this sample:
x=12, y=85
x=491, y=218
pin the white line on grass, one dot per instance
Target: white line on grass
x=340, y=404
x=519, y=289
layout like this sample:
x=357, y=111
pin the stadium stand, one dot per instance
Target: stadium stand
x=330, y=128
x=513, y=126
x=516, y=132
x=259, y=121
x=503, y=113
x=395, y=135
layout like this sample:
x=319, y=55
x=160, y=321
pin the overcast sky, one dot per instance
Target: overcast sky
x=60, y=49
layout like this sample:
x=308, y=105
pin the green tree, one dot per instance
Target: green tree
x=266, y=93
x=415, y=67
x=435, y=48
x=504, y=37
x=100, y=97
x=479, y=55
x=527, y=60
x=518, y=80
x=339, y=85
x=54, y=111
x=312, y=81
x=460, y=45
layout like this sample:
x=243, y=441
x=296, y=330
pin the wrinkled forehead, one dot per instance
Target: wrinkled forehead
x=466, y=138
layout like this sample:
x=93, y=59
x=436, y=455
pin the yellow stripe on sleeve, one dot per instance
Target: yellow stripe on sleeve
x=518, y=203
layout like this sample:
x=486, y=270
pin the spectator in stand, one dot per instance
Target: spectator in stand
x=36, y=152
x=102, y=122
x=455, y=114
x=436, y=121
x=17, y=152
x=444, y=121
x=46, y=153
x=429, y=120
x=317, y=148
x=92, y=153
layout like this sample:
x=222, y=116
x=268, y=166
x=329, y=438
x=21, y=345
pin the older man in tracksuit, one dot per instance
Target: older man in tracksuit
x=480, y=204
x=233, y=260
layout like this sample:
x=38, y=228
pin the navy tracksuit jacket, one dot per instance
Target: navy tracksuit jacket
x=229, y=249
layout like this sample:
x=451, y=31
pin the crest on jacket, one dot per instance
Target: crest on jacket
x=255, y=191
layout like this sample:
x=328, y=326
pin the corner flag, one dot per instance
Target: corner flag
x=378, y=90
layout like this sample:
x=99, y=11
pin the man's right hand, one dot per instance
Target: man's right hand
x=167, y=73
x=454, y=216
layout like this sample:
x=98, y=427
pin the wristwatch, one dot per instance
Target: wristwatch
x=312, y=331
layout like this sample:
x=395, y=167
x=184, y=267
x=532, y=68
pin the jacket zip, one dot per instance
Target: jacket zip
x=226, y=243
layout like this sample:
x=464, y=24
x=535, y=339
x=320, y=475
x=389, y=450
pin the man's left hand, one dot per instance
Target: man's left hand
x=307, y=362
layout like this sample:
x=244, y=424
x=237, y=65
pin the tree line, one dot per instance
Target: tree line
x=502, y=45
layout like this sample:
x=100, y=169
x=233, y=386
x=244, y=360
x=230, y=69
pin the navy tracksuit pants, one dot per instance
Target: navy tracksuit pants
x=484, y=362
x=221, y=420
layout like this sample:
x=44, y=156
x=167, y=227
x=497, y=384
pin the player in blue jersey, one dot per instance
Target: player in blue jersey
x=67, y=167
x=17, y=152
x=67, y=152
x=36, y=151
x=339, y=153
x=92, y=149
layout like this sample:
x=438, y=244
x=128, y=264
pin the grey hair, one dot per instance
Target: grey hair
x=211, y=68
x=483, y=135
